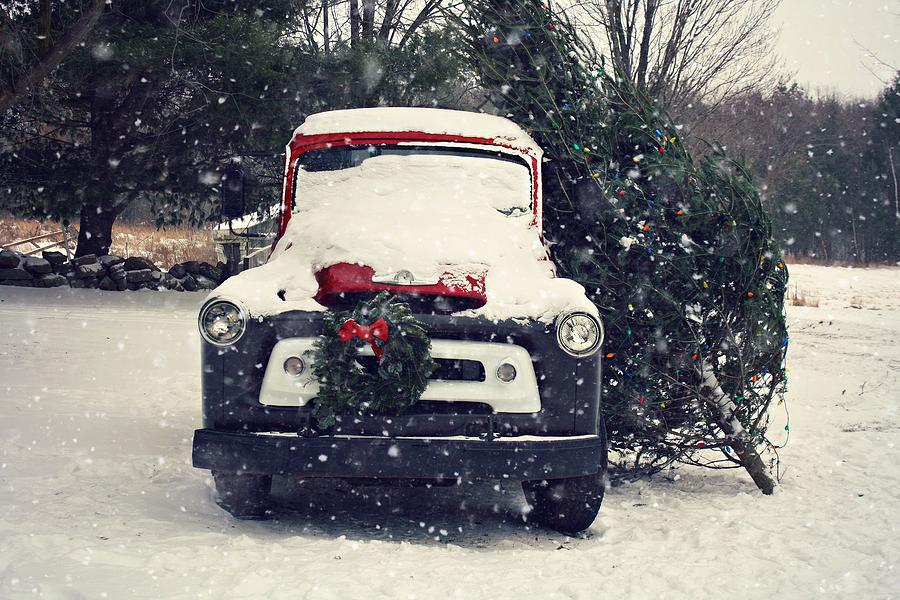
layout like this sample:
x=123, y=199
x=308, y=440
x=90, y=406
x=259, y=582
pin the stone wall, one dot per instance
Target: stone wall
x=109, y=273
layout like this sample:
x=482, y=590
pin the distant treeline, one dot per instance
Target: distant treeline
x=827, y=168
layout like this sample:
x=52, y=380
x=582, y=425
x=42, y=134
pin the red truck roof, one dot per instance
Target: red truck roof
x=431, y=121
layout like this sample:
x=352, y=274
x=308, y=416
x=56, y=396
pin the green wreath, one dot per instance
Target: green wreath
x=388, y=383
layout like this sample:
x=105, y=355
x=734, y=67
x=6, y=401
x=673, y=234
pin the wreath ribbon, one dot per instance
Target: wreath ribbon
x=367, y=333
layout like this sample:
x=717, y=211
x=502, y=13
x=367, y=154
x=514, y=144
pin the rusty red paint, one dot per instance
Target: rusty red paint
x=354, y=278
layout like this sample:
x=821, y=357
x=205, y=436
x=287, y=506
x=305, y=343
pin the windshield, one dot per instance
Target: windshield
x=437, y=175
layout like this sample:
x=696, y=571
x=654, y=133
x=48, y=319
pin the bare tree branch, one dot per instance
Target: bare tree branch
x=53, y=57
x=679, y=51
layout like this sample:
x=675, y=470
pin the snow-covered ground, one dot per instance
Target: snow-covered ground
x=99, y=396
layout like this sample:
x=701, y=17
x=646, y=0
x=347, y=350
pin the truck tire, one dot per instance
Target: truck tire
x=566, y=505
x=244, y=496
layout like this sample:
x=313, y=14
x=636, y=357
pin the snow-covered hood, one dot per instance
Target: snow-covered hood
x=434, y=217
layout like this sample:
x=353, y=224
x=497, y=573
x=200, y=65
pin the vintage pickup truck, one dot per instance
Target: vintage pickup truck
x=443, y=209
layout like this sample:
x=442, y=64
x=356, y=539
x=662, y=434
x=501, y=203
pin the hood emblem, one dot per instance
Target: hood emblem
x=403, y=277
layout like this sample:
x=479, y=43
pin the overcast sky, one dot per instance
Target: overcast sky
x=820, y=42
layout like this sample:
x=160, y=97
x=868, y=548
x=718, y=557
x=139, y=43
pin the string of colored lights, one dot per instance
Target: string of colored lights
x=666, y=233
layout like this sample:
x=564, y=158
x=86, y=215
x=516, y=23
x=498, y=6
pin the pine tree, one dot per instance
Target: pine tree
x=882, y=160
x=148, y=106
x=677, y=255
x=159, y=99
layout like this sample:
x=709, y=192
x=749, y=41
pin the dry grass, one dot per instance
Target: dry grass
x=799, y=297
x=17, y=229
x=164, y=247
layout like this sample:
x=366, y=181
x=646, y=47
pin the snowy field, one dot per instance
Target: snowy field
x=99, y=396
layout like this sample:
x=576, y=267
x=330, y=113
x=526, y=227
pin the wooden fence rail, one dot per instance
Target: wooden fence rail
x=67, y=236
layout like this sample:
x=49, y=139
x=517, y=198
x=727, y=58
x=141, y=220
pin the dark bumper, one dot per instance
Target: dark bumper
x=399, y=458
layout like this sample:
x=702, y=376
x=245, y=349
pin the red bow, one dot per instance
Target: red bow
x=367, y=333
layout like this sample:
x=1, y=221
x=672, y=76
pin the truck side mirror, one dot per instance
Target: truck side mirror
x=232, y=193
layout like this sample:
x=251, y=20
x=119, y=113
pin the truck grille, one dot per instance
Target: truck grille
x=448, y=369
x=458, y=370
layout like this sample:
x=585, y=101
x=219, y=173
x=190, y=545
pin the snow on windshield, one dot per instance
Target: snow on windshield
x=503, y=184
x=428, y=214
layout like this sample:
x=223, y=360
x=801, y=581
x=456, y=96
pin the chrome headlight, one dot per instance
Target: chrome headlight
x=222, y=323
x=579, y=334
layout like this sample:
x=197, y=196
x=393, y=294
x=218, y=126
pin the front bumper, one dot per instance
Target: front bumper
x=459, y=458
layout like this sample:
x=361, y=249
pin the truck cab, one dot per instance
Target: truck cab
x=442, y=209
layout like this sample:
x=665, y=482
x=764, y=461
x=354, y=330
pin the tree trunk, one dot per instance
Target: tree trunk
x=325, y=26
x=750, y=459
x=46, y=14
x=368, y=20
x=354, y=22
x=646, y=40
x=387, y=23
x=896, y=189
x=95, y=230
x=616, y=33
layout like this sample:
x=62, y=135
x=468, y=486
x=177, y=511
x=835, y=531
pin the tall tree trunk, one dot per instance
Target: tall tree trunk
x=46, y=14
x=354, y=21
x=737, y=437
x=387, y=23
x=896, y=189
x=368, y=20
x=325, y=32
x=646, y=40
x=616, y=32
x=95, y=230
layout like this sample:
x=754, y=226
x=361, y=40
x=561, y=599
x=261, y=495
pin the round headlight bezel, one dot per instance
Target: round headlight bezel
x=204, y=332
x=289, y=371
x=594, y=348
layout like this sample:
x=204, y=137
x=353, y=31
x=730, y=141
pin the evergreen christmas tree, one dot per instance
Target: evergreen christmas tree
x=678, y=255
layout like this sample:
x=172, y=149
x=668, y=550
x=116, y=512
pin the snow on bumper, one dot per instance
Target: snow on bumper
x=517, y=396
x=460, y=458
